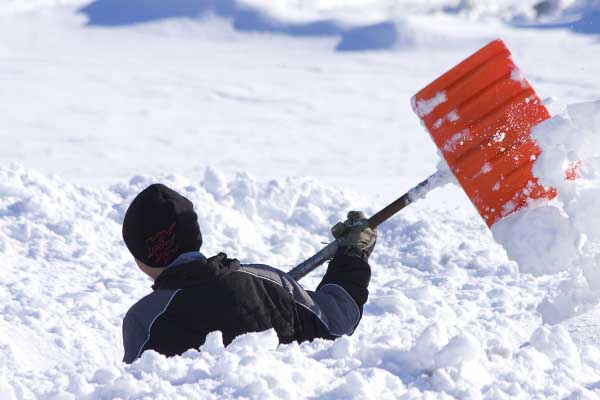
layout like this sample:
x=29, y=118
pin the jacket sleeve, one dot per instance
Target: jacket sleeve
x=134, y=338
x=351, y=273
x=340, y=298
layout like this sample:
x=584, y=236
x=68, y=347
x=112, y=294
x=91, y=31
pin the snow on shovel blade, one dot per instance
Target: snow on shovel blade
x=480, y=115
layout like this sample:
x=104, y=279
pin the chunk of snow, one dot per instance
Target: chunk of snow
x=556, y=343
x=460, y=349
x=452, y=116
x=215, y=182
x=485, y=168
x=424, y=107
x=498, y=136
x=517, y=75
x=455, y=140
x=541, y=240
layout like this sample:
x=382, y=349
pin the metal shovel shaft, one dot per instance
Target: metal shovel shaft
x=417, y=192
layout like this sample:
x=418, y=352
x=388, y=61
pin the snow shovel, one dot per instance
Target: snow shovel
x=480, y=115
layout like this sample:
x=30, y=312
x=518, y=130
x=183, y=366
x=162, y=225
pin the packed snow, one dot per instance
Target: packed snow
x=426, y=107
x=261, y=122
x=563, y=235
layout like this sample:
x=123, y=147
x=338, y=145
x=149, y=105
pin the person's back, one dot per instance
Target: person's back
x=193, y=296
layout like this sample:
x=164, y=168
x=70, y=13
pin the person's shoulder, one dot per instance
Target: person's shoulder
x=151, y=304
x=267, y=273
x=141, y=303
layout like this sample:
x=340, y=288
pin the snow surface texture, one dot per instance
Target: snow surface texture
x=449, y=316
x=446, y=315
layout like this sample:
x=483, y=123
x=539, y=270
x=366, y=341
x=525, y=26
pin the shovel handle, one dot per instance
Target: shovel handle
x=407, y=198
x=327, y=253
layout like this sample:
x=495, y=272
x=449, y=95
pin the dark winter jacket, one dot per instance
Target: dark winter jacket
x=197, y=297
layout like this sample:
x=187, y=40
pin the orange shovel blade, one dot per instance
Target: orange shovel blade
x=480, y=115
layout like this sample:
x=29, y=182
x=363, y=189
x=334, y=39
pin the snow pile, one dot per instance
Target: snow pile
x=563, y=235
x=572, y=141
x=446, y=316
x=541, y=239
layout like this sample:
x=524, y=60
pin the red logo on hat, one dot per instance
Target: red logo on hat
x=161, y=246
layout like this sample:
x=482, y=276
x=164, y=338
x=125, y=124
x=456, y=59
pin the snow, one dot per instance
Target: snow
x=485, y=168
x=455, y=309
x=426, y=106
x=562, y=236
x=541, y=239
x=455, y=141
x=517, y=75
x=453, y=116
x=498, y=136
x=260, y=122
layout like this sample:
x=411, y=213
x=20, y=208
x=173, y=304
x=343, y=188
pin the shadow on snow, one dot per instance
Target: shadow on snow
x=112, y=13
x=587, y=23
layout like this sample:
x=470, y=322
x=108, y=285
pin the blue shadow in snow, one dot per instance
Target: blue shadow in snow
x=128, y=12
x=378, y=36
x=588, y=24
x=111, y=13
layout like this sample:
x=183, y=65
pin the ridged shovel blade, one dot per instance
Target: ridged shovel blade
x=480, y=115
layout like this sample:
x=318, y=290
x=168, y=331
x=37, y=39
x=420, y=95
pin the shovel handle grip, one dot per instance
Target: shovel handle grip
x=327, y=253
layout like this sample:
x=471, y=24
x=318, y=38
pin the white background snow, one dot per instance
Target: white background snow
x=258, y=113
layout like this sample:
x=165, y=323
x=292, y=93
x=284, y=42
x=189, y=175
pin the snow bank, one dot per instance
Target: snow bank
x=446, y=314
x=360, y=25
x=369, y=11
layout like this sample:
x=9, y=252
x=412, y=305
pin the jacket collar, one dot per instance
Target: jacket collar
x=185, y=258
x=195, y=271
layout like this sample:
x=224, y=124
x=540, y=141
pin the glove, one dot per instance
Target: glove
x=355, y=236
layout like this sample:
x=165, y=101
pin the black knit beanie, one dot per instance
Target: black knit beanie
x=159, y=225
